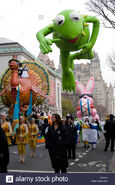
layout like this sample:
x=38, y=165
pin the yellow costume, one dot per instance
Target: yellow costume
x=8, y=131
x=85, y=126
x=85, y=132
x=33, y=131
x=21, y=138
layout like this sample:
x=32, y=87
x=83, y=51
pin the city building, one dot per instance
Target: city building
x=111, y=99
x=8, y=48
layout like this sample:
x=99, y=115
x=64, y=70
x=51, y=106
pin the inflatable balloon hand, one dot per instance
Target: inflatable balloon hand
x=87, y=46
x=86, y=99
x=45, y=46
x=86, y=51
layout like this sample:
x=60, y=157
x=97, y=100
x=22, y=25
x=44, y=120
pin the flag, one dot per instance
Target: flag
x=16, y=112
x=29, y=111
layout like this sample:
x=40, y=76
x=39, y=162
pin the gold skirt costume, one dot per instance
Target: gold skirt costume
x=8, y=131
x=33, y=131
x=22, y=131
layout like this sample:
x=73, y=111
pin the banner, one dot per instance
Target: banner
x=52, y=99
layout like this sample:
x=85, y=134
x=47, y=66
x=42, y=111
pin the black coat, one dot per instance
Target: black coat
x=56, y=142
x=44, y=126
x=4, y=152
x=71, y=132
x=44, y=131
x=109, y=127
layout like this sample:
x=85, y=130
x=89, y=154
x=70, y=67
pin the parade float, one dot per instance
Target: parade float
x=30, y=78
x=70, y=33
x=86, y=105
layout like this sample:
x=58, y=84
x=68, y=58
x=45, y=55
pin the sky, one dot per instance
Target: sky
x=20, y=20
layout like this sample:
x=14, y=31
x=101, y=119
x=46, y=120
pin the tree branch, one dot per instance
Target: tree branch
x=103, y=8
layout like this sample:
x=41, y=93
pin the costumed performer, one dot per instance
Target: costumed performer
x=93, y=138
x=6, y=127
x=85, y=132
x=21, y=138
x=33, y=131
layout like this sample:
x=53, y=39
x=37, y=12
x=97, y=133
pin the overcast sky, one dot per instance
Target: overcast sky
x=20, y=20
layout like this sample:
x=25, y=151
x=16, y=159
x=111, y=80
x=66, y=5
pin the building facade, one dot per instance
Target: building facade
x=8, y=48
x=55, y=82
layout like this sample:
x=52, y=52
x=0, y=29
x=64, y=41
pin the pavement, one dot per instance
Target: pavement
x=86, y=161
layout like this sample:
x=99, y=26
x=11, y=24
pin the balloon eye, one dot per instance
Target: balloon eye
x=59, y=20
x=75, y=16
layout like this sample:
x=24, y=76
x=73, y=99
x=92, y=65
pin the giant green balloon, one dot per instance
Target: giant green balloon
x=70, y=33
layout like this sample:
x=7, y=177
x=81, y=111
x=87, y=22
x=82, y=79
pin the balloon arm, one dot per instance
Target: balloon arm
x=45, y=43
x=96, y=24
x=88, y=46
x=76, y=55
x=50, y=41
x=43, y=32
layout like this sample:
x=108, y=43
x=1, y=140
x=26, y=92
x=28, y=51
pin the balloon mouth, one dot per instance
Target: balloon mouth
x=73, y=40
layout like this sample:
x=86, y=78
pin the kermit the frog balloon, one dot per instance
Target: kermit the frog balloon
x=70, y=33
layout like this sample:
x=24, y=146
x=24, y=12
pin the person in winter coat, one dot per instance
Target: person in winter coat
x=109, y=129
x=56, y=143
x=71, y=132
x=78, y=127
x=99, y=128
x=44, y=130
x=4, y=151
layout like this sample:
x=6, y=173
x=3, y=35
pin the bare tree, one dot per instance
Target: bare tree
x=111, y=61
x=101, y=110
x=105, y=9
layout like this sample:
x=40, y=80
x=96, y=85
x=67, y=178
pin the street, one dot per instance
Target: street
x=87, y=160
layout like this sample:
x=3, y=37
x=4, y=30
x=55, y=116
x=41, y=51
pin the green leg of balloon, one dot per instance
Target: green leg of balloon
x=68, y=79
x=71, y=64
